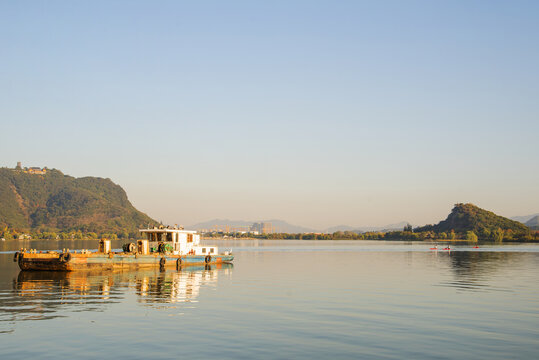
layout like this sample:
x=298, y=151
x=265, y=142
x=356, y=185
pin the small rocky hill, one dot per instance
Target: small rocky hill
x=468, y=217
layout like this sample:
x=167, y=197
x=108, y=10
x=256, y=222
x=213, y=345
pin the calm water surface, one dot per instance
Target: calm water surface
x=282, y=299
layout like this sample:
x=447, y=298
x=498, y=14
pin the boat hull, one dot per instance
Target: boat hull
x=112, y=261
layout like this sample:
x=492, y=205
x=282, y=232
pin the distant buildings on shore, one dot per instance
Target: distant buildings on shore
x=255, y=229
x=262, y=227
x=31, y=170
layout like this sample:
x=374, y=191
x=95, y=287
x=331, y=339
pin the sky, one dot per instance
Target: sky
x=320, y=113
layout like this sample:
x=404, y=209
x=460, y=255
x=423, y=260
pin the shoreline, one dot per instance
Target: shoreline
x=426, y=241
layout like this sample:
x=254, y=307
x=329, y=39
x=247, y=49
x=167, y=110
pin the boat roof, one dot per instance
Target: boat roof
x=167, y=230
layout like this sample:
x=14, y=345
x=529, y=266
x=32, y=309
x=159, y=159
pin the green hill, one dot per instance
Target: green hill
x=58, y=202
x=468, y=217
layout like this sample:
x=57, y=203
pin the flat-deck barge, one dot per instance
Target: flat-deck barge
x=164, y=247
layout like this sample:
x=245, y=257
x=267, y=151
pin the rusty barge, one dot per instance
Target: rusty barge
x=162, y=248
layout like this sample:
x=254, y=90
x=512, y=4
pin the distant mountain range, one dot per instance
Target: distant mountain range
x=278, y=225
x=461, y=213
x=525, y=218
x=533, y=223
x=282, y=226
x=361, y=229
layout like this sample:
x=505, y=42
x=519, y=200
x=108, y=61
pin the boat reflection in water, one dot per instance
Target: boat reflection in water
x=178, y=286
x=41, y=295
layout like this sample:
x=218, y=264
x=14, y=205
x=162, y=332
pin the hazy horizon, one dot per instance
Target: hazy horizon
x=316, y=113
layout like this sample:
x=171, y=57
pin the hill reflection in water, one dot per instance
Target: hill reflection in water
x=473, y=270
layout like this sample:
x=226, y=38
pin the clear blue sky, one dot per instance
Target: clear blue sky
x=316, y=112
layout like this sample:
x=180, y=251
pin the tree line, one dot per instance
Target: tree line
x=13, y=234
x=498, y=235
x=407, y=234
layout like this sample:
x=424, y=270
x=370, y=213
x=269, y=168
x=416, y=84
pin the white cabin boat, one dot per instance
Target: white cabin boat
x=182, y=242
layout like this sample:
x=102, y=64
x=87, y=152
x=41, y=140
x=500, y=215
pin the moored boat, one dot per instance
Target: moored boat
x=163, y=247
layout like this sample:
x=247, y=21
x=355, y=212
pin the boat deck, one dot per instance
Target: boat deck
x=58, y=261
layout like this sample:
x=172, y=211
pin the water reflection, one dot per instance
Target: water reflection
x=43, y=295
x=177, y=286
x=472, y=271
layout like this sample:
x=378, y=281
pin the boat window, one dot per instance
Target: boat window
x=189, y=238
x=203, y=250
x=169, y=237
x=211, y=250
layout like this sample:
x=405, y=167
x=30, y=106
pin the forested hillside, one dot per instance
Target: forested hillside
x=468, y=217
x=58, y=203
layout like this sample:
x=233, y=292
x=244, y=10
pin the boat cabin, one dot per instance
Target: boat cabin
x=179, y=241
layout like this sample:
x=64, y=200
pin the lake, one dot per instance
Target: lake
x=282, y=300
